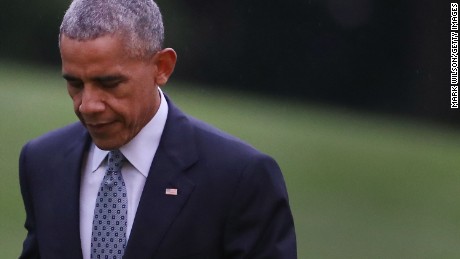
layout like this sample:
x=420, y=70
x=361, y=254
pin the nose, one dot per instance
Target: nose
x=91, y=101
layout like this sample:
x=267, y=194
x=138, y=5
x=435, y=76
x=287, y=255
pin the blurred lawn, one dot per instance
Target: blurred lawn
x=361, y=185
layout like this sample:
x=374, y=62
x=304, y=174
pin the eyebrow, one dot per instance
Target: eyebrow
x=97, y=78
x=109, y=78
x=70, y=78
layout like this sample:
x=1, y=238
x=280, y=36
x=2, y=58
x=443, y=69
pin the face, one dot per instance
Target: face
x=114, y=95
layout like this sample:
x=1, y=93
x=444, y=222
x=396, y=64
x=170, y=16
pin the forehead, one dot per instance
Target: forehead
x=101, y=56
x=101, y=47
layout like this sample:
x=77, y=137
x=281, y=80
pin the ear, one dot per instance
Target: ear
x=165, y=61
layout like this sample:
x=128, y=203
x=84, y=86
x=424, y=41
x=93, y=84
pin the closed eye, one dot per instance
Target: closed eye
x=110, y=81
x=73, y=82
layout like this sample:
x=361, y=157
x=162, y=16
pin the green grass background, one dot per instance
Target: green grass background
x=361, y=185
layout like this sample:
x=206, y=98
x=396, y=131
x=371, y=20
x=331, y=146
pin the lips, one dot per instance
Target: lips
x=99, y=127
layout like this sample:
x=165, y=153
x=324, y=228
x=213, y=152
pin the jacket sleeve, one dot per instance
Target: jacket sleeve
x=260, y=224
x=30, y=246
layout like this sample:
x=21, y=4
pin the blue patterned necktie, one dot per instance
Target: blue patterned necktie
x=108, y=240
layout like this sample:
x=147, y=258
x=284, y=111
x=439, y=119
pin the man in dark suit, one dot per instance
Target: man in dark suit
x=171, y=187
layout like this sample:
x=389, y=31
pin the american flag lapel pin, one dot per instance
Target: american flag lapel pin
x=171, y=191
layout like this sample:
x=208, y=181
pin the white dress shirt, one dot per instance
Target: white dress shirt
x=139, y=153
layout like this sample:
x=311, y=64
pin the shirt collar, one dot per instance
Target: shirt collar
x=142, y=148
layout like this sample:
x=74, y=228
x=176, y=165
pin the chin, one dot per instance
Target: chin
x=107, y=145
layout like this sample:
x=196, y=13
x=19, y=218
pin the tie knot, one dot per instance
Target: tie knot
x=115, y=161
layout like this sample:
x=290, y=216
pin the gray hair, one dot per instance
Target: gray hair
x=139, y=22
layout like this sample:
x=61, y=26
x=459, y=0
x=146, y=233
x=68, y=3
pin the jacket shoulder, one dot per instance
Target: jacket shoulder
x=219, y=140
x=58, y=138
x=224, y=152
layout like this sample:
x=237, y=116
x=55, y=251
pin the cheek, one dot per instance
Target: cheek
x=73, y=93
x=76, y=102
x=141, y=108
x=76, y=99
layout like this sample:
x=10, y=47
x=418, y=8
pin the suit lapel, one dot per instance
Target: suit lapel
x=157, y=210
x=67, y=196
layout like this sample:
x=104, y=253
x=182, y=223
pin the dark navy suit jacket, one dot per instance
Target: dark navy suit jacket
x=231, y=202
